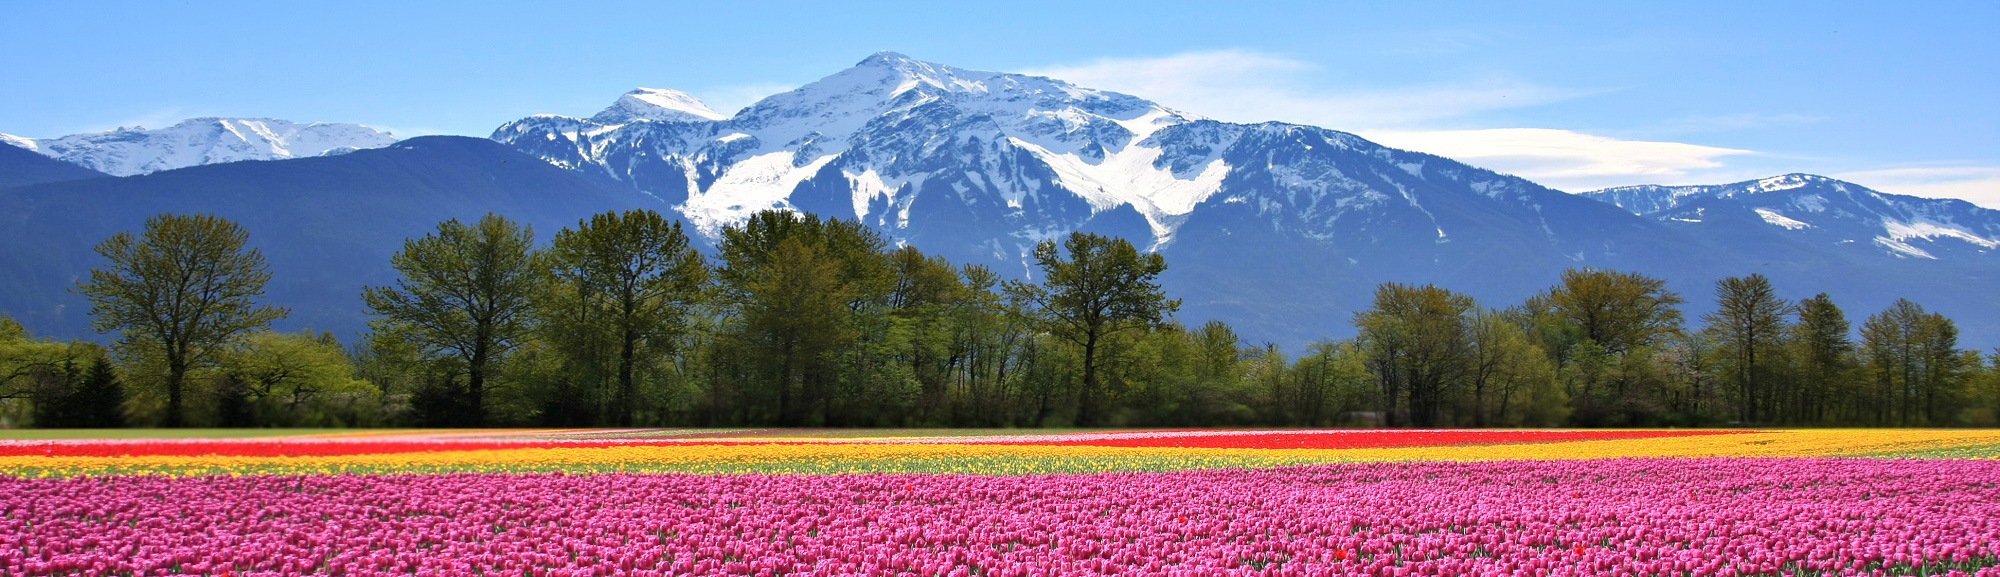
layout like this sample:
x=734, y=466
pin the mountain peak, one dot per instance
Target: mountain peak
x=885, y=58
x=1788, y=182
x=657, y=104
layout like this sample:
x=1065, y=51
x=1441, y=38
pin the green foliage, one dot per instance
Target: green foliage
x=623, y=283
x=182, y=288
x=296, y=380
x=1619, y=311
x=465, y=293
x=1915, y=364
x=1102, y=286
x=56, y=384
x=1418, y=346
x=1749, y=324
x=1823, y=361
x=804, y=321
x=804, y=293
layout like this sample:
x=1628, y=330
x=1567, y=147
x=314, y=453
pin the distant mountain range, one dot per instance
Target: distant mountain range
x=1280, y=229
x=1820, y=211
x=201, y=141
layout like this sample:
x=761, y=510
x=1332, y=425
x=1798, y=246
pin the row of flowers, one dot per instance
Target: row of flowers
x=1052, y=455
x=429, y=442
x=1707, y=517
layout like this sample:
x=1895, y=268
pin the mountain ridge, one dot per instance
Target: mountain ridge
x=132, y=151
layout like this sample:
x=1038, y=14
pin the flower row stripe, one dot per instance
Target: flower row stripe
x=979, y=458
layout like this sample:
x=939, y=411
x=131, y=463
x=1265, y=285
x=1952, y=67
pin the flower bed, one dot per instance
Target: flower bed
x=1599, y=517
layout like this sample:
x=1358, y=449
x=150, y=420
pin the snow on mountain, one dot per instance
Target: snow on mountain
x=1823, y=211
x=1280, y=229
x=28, y=143
x=887, y=118
x=656, y=104
x=979, y=166
x=200, y=141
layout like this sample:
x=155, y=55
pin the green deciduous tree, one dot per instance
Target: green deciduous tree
x=183, y=288
x=297, y=380
x=802, y=291
x=1824, y=357
x=635, y=277
x=465, y=291
x=1599, y=318
x=1619, y=311
x=1913, y=356
x=1093, y=287
x=1749, y=324
x=1418, y=345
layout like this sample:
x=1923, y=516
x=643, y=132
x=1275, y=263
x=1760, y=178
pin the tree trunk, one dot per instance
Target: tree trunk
x=176, y=381
x=785, y=387
x=1086, y=410
x=475, y=387
x=626, y=352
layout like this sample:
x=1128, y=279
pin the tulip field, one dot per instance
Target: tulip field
x=643, y=502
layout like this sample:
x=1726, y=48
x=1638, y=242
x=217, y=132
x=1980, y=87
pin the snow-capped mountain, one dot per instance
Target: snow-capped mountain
x=1280, y=229
x=979, y=166
x=656, y=104
x=1822, y=211
x=200, y=141
x=881, y=140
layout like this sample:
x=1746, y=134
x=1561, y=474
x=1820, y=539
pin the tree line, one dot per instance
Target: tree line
x=803, y=321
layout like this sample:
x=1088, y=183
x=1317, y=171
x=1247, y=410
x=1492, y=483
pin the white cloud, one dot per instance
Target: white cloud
x=1977, y=184
x=1567, y=160
x=1250, y=86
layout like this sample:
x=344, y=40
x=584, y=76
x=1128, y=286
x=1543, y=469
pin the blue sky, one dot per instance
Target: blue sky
x=1577, y=95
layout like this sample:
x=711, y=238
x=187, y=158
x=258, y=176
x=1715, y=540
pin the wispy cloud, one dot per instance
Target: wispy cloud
x=1564, y=159
x=1251, y=86
x=1978, y=184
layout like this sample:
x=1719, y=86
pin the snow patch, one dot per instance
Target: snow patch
x=757, y=183
x=28, y=143
x=869, y=184
x=1902, y=249
x=1927, y=230
x=1773, y=217
x=1132, y=176
x=1786, y=182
